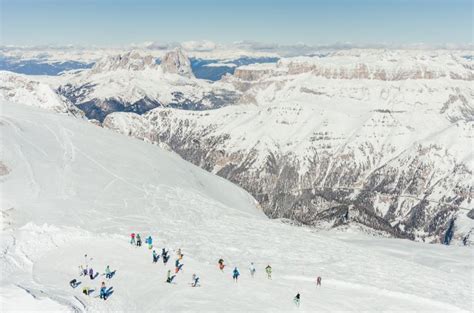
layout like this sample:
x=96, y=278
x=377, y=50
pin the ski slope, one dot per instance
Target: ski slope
x=69, y=188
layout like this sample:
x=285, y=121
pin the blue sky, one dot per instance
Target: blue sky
x=121, y=22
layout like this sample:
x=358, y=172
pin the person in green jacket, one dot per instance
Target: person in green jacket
x=139, y=240
x=108, y=273
x=268, y=269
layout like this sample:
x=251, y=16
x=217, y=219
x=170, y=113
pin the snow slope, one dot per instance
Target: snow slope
x=70, y=188
x=32, y=91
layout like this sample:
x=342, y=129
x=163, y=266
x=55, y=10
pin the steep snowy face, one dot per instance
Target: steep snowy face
x=52, y=167
x=392, y=154
x=25, y=89
x=176, y=62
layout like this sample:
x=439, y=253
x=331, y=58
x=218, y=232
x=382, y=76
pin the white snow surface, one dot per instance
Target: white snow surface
x=69, y=188
x=25, y=89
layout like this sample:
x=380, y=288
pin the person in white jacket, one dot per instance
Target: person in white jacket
x=252, y=269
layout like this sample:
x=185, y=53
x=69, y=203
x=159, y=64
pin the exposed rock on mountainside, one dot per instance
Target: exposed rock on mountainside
x=132, y=61
x=368, y=64
x=176, y=62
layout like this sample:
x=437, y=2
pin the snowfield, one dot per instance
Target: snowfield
x=70, y=188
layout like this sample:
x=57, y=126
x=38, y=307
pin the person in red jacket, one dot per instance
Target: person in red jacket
x=221, y=264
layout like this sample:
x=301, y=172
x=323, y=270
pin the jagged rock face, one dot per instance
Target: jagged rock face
x=254, y=73
x=367, y=64
x=131, y=61
x=176, y=62
x=391, y=155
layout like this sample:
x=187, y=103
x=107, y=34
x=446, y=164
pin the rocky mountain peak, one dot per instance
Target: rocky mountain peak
x=132, y=60
x=177, y=62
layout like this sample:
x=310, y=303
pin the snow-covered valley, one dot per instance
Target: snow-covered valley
x=70, y=188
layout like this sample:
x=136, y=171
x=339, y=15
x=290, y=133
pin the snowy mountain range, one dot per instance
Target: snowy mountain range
x=380, y=138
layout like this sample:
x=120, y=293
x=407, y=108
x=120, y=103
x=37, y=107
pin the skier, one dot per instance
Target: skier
x=164, y=252
x=91, y=273
x=108, y=273
x=166, y=258
x=149, y=241
x=268, y=269
x=252, y=269
x=103, y=291
x=85, y=290
x=132, y=238
x=297, y=299
x=74, y=283
x=170, y=278
x=221, y=264
x=155, y=256
x=178, y=252
x=235, y=274
x=85, y=271
x=318, y=281
x=139, y=240
x=178, y=266
x=195, y=281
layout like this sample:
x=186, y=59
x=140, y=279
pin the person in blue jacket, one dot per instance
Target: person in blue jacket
x=103, y=291
x=149, y=241
x=178, y=266
x=235, y=274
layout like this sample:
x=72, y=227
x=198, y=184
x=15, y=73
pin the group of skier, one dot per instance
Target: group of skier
x=268, y=270
x=135, y=239
x=178, y=267
x=252, y=270
x=86, y=270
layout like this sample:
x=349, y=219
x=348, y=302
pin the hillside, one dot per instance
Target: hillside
x=70, y=188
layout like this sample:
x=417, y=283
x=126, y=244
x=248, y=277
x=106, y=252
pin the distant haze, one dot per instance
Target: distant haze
x=120, y=22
